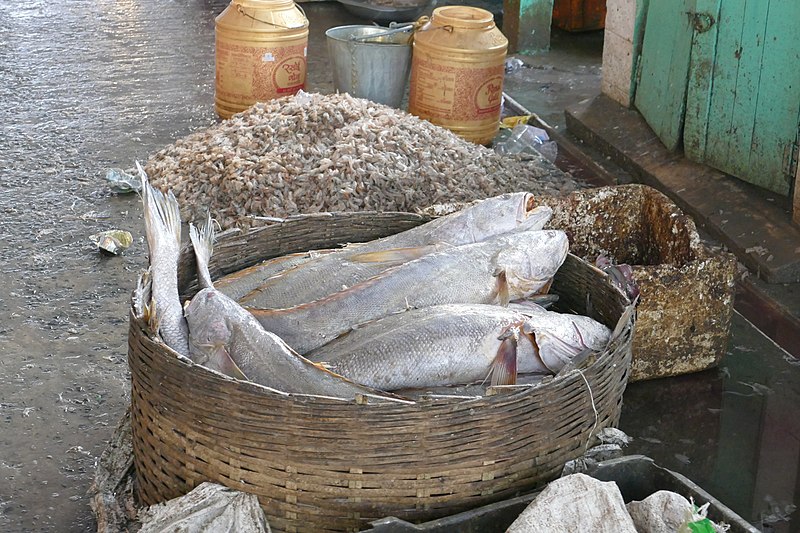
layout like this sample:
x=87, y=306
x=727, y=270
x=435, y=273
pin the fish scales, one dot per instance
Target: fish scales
x=224, y=337
x=328, y=274
x=431, y=347
x=467, y=274
x=219, y=323
x=240, y=283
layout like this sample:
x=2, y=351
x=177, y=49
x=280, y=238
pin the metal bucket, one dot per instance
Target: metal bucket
x=376, y=69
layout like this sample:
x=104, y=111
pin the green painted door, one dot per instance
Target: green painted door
x=664, y=68
x=742, y=96
x=751, y=92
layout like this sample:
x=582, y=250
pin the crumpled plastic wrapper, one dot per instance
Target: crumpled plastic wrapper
x=112, y=242
x=123, y=182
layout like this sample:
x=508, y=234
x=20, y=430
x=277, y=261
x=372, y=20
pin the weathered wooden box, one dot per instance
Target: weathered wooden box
x=686, y=298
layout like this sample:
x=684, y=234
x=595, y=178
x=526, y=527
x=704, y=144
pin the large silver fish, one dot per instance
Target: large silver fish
x=162, y=223
x=331, y=273
x=495, y=271
x=432, y=347
x=225, y=337
x=459, y=344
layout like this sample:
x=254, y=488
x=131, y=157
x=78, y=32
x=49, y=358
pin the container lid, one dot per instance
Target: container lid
x=462, y=17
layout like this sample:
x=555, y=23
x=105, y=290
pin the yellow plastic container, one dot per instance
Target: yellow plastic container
x=457, y=69
x=261, y=49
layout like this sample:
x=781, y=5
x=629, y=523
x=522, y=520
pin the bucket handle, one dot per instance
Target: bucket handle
x=410, y=26
x=424, y=20
x=241, y=11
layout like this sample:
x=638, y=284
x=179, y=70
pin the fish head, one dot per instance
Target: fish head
x=210, y=332
x=493, y=216
x=530, y=261
x=535, y=218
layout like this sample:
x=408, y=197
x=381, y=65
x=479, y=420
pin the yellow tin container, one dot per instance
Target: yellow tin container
x=457, y=69
x=261, y=49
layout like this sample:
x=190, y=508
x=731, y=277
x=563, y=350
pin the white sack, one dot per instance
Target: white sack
x=661, y=512
x=209, y=507
x=576, y=503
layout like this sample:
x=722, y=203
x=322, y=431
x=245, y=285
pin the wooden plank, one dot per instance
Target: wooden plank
x=796, y=201
x=735, y=84
x=777, y=117
x=754, y=104
x=698, y=94
x=642, y=7
x=526, y=25
x=661, y=90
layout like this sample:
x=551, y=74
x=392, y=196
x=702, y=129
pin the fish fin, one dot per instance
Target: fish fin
x=530, y=335
x=142, y=294
x=500, y=291
x=229, y=367
x=203, y=244
x=322, y=365
x=395, y=256
x=150, y=316
x=504, y=365
x=545, y=288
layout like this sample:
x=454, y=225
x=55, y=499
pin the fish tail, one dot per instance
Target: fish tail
x=162, y=215
x=203, y=243
x=162, y=225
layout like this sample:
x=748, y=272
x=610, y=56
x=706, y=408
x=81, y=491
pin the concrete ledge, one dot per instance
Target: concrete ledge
x=758, y=231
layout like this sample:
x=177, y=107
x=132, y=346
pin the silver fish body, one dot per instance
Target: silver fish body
x=241, y=283
x=220, y=329
x=435, y=346
x=497, y=270
x=223, y=336
x=162, y=222
x=458, y=344
x=331, y=273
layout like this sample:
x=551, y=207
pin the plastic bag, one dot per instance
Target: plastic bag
x=525, y=139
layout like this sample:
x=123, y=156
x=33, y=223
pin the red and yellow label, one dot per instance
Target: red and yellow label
x=246, y=73
x=454, y=92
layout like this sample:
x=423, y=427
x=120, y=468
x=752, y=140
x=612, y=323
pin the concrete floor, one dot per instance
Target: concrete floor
x=91, y=85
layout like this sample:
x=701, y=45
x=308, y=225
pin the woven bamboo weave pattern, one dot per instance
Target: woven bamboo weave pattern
x=323, y=464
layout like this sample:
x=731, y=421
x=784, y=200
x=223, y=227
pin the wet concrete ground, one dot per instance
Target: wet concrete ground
x=87, y=86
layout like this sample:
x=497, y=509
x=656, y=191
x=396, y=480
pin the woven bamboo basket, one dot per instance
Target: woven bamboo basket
x=322, y=464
